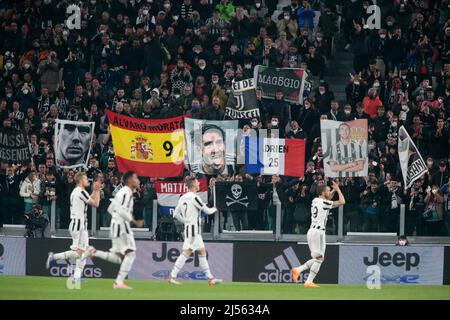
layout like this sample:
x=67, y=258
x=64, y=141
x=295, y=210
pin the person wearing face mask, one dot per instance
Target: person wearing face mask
x=327, y=24
x=202, y=69
x=280, y=109
x=434, y=212
x=195, y=112
x=347, y=114
x=259, y=10
x=323, y=97
x=372, y=103
x=308, y=116
x=355, y=90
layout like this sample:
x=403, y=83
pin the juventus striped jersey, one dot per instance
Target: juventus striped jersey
x=188, y=211
x=121, y=210
x=79, y=199
x=320, y=209
x=344, y=154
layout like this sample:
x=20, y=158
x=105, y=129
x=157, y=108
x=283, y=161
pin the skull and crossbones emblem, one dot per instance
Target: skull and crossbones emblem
x=236, y=191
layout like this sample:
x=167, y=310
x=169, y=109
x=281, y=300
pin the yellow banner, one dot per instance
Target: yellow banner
x=148, y=147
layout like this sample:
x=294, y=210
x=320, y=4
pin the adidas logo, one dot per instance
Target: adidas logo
x=280, y=269
x=65, y=268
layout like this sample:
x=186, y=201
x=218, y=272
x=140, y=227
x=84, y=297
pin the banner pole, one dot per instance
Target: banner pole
x=154, y=217
x=216, y=217
x=402, y=219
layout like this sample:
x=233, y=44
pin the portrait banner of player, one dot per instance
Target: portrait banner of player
x=294, y=82
x=236, y=195
x=73, y=141
x=411, y=161
x=345, y=148
x=211, y=146
x=242, y=103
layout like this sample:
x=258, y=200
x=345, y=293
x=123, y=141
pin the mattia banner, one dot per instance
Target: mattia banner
x=168, y=192
x=151, y=148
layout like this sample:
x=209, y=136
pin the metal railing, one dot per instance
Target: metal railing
x=277, y=235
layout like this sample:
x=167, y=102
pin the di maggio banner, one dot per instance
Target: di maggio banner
x=14, y=146
x=152, y=148
x=291, y=80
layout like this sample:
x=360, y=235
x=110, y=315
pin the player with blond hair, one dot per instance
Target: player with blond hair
x=79, y=202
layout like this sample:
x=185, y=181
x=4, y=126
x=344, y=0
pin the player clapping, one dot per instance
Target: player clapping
x=79, y=202
x=320, y=209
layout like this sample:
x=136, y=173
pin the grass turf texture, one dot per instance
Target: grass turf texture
x=21, y=287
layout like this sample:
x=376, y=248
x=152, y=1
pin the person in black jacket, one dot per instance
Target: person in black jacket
x=11, y=203
x=281, y=109
x=154, y=56
x=351, y=191
x=276, y=195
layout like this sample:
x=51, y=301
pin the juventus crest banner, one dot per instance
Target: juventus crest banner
x=344, y=147
x=411, y=161
x=242, y=103
x=236, y=195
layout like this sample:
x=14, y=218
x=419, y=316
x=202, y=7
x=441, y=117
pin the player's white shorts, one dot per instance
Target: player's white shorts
x=79, y=234
x=316, y=242
x=123, y=243
x=193, y=243
x=80, y=239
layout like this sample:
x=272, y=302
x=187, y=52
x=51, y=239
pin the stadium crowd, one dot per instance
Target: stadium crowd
x=164, y=58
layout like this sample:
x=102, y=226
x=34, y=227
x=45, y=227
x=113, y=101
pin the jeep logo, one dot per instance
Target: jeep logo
x=172, y=254
x=398, y=259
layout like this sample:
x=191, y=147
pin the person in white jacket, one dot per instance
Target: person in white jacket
x=123, y=250
x=30, y=190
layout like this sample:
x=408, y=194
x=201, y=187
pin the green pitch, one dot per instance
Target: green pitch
x=16, y=287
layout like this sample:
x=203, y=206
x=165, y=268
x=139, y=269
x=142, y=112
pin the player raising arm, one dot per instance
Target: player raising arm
x=188, y=212
x=320, y=209
x=79, y=202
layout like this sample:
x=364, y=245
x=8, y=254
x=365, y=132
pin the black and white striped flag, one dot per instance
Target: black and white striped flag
x=411, y=161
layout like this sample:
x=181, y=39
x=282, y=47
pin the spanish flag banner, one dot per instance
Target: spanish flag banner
x=151, y=148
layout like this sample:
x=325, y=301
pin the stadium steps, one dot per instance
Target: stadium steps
x=337, y=75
